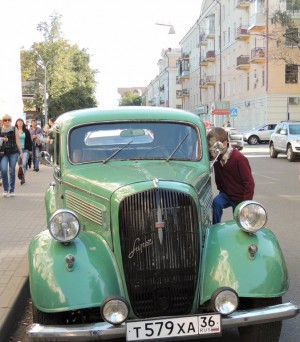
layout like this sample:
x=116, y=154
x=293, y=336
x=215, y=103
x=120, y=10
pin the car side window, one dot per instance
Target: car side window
x=278, y=128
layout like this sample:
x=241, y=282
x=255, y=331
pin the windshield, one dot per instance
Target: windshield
x=294, y=129
x=134, y=141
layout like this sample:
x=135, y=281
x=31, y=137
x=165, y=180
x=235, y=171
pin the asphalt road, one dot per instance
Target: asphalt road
x=278, y=189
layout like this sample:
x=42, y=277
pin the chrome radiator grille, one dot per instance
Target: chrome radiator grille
x=160, y=246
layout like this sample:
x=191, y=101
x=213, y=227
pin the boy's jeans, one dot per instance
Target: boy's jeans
x=220, y=202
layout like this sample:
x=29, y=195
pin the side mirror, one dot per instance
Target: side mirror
x=45, y=158
x=283, y=131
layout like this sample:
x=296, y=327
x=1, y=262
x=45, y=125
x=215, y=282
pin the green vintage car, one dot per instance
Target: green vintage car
x=130, y=249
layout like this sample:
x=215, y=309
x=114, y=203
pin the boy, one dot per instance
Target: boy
x=233, y=175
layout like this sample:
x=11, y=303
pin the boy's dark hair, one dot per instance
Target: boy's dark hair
x=219, y=133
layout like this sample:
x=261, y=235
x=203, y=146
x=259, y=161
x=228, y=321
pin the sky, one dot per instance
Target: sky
x=121, y=36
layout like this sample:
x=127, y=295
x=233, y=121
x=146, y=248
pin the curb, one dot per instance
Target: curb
x=19, y=291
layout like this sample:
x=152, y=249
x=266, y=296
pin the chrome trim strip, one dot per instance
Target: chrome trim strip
x=104, y=331
x=83, y=190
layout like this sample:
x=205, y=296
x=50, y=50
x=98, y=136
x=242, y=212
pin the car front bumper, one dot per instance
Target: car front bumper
x=104, y=331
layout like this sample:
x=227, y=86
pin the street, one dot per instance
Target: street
x=277, y=189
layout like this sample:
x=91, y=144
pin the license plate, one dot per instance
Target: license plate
x=173, y=327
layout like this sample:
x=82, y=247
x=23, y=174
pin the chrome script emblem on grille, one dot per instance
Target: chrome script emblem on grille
x=139, y=247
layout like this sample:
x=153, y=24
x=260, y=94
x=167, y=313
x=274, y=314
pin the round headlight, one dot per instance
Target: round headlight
x=115, y=310
x=225, y=300
x=250, y=216
x=64, y=225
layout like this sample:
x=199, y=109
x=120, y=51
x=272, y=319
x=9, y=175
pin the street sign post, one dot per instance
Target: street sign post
x=233, y=113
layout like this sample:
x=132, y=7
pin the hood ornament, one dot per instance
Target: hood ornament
x=155, y=182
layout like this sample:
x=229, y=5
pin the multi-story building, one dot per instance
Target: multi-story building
x=230, y=68
x=238, y=67
x=162, y=90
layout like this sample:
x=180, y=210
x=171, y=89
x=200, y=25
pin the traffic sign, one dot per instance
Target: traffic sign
x=233, y=112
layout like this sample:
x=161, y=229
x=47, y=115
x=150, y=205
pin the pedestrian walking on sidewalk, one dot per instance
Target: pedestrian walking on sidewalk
x=11, y=149
x=37, y=137
x=26, y=144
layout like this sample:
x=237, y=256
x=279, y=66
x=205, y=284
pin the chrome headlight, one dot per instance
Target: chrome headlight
x=225, y=300
x=115, y=310
x=64, y=225
x=250, y=216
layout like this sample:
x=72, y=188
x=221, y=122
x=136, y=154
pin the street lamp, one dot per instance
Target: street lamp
x=171, y=30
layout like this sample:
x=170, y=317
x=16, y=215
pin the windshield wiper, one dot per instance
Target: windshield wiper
x=177, y=147
x=119, y=150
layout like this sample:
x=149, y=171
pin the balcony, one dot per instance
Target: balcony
x=185, y=92
x=243, y=4
x=211, y=33
x=211, y=80
x=257, y=23
x=258, y=55
x=243, y=62
x=203, y=40
x=207, y=81
x=211, y=55
x=203, y=61
x=178, y=94
x=185, y=56
x=242, y=33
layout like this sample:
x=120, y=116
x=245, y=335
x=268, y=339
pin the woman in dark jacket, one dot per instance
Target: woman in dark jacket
x=26, y=143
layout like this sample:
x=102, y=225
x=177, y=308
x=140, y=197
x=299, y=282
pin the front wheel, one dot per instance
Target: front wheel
x=266, y=332
x=273, y=153
x=290, y=154
x=253, y=140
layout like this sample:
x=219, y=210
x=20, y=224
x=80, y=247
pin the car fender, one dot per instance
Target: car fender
x=54, y=287
x=227, y=261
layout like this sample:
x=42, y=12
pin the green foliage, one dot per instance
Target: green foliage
x=70, y=81
x=282, y=18
x=131, y=99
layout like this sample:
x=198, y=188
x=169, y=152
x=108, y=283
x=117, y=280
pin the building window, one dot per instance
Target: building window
x=292, y=37
x=291, y=73
x=292, y=6
x=248, y=82
x=263, y=77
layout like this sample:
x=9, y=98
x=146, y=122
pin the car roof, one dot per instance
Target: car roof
x=92, y=115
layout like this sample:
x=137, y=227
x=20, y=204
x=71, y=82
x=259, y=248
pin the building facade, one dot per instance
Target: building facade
x=230, y=67
x=163, y=89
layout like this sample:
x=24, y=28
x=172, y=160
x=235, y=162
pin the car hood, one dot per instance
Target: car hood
x=105, y=179
x=295, y=136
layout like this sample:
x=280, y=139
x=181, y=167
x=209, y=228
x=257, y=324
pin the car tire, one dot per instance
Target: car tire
x=253, y=140
x=266, y=332
x=46, y=318
x=273, y=153
x=290, y=154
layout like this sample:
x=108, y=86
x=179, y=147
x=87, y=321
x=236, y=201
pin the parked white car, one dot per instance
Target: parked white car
x=259, y=135
x=286, y=140
x=235, y=138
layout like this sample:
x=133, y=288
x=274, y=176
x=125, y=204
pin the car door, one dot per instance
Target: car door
x=276, y=137
x=264, y=133
x=282, y=137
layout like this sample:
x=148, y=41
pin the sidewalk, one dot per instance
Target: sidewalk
x=21, y=218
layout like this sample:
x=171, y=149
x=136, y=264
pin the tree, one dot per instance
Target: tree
x=70, y=82
x=285, y=33
x=131, y=98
